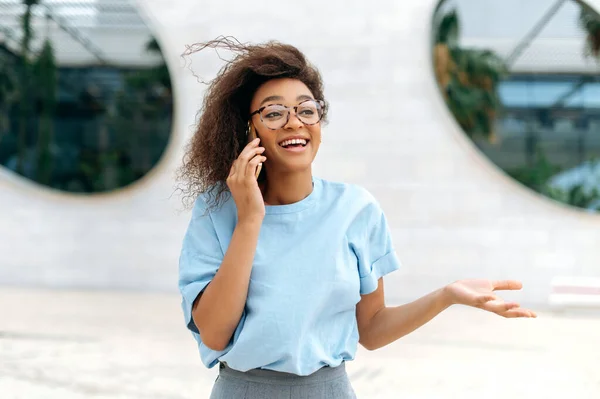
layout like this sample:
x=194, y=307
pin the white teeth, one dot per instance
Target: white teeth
x=292, y=141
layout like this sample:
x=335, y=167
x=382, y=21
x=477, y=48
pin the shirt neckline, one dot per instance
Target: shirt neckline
x=296, y=206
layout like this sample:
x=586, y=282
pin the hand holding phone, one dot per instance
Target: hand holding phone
x=242, y=182
x=252, y=136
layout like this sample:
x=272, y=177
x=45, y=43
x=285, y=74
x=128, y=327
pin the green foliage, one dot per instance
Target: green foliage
x=538, y=175
x=24, y=84
x=8, y=85
x=468, y=79
x=589, y=21
x=138, y=112
x=471, y=93
x=576, y=196
x=45, y=74
x=8, y=81
x=107, y=139
x=448, y=29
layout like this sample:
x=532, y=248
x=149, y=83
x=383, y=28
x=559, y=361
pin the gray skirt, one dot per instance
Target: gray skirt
x=326, y=383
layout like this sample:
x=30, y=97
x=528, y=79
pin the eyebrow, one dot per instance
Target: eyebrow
x=279, y=98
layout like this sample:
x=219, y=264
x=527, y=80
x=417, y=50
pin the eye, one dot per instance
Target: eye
x=273, y=115
x=307, y=111
x=273, y=112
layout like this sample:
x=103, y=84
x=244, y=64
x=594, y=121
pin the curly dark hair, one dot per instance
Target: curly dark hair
x=221, y=131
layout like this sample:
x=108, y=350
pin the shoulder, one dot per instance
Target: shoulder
x=208, y=205
x=208, y=219
x=343, y=192
x=354, y=201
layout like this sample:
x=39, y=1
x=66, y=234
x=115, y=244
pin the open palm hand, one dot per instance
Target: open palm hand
x=481, y=294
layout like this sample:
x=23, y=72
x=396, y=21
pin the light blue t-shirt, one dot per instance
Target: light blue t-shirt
x=313, y=260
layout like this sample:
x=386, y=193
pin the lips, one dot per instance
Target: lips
x=293, y=142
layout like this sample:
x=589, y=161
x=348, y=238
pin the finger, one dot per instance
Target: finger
x=531, y=313
x=258, y=168
x=253, y=169
x=483, y=299
x=243, y=161
x=499, y=306
x=251, y=145
x=253, y=165
x=248, y=154
x=232, y=170
x=506, y=285
x=518, y=312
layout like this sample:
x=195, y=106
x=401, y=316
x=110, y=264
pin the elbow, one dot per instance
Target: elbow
x=215, y=345
x=210, y=338
x=213, y=341
x=368, y=344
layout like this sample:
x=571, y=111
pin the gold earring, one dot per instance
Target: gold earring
x=250, y=132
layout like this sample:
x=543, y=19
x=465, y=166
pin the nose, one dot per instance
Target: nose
x=293, y=121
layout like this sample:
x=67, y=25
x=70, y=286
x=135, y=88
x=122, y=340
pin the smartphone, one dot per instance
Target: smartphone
x=252, y=136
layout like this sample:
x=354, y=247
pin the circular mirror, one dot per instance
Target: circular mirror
x=522, y=79
x=85, y=94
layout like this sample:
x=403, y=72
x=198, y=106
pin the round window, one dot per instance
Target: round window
x=85, y=94
x=522, y=79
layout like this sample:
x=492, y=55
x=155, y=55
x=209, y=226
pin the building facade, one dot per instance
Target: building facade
x=453, y=213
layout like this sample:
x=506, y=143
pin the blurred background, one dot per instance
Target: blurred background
x=475, y=123
x=86, y=98
x=525, y=87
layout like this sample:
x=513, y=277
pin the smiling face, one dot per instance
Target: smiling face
x=291, y=146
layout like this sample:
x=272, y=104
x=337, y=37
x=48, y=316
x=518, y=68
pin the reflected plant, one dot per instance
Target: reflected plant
x=114, y=121
x=161, y=71
x=536, y=175
x=589, y=21
x=468, y=78
x=24, y=84
x=141, y=112
x=8, y=85
x=576, y=195
x=539, y=175
x=45, y=73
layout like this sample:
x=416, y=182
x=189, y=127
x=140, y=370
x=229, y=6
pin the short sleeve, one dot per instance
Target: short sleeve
x=200, y=258
x=376, y=254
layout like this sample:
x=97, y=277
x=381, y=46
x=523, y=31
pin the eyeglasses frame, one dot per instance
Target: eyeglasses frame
x=295, y=108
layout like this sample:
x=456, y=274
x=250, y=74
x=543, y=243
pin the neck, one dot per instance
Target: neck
x=287, y=188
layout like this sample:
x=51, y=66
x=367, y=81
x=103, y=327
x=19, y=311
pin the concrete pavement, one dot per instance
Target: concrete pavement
x=123, y=345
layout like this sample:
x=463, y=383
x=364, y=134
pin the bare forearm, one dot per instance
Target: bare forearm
x=218, y=311
x=392, y=323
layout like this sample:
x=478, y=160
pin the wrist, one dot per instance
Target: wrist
x=445, y=296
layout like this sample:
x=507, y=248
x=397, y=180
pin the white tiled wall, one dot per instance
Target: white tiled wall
x=453, y=213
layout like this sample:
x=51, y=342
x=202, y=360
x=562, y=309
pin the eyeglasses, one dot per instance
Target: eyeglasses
x=276, y=116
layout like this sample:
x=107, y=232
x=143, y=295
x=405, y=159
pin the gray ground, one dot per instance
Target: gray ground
x=68, y=345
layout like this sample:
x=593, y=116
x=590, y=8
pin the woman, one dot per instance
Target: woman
x=281, y=275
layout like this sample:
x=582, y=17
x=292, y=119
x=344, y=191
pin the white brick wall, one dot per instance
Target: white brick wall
x=453, y=213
